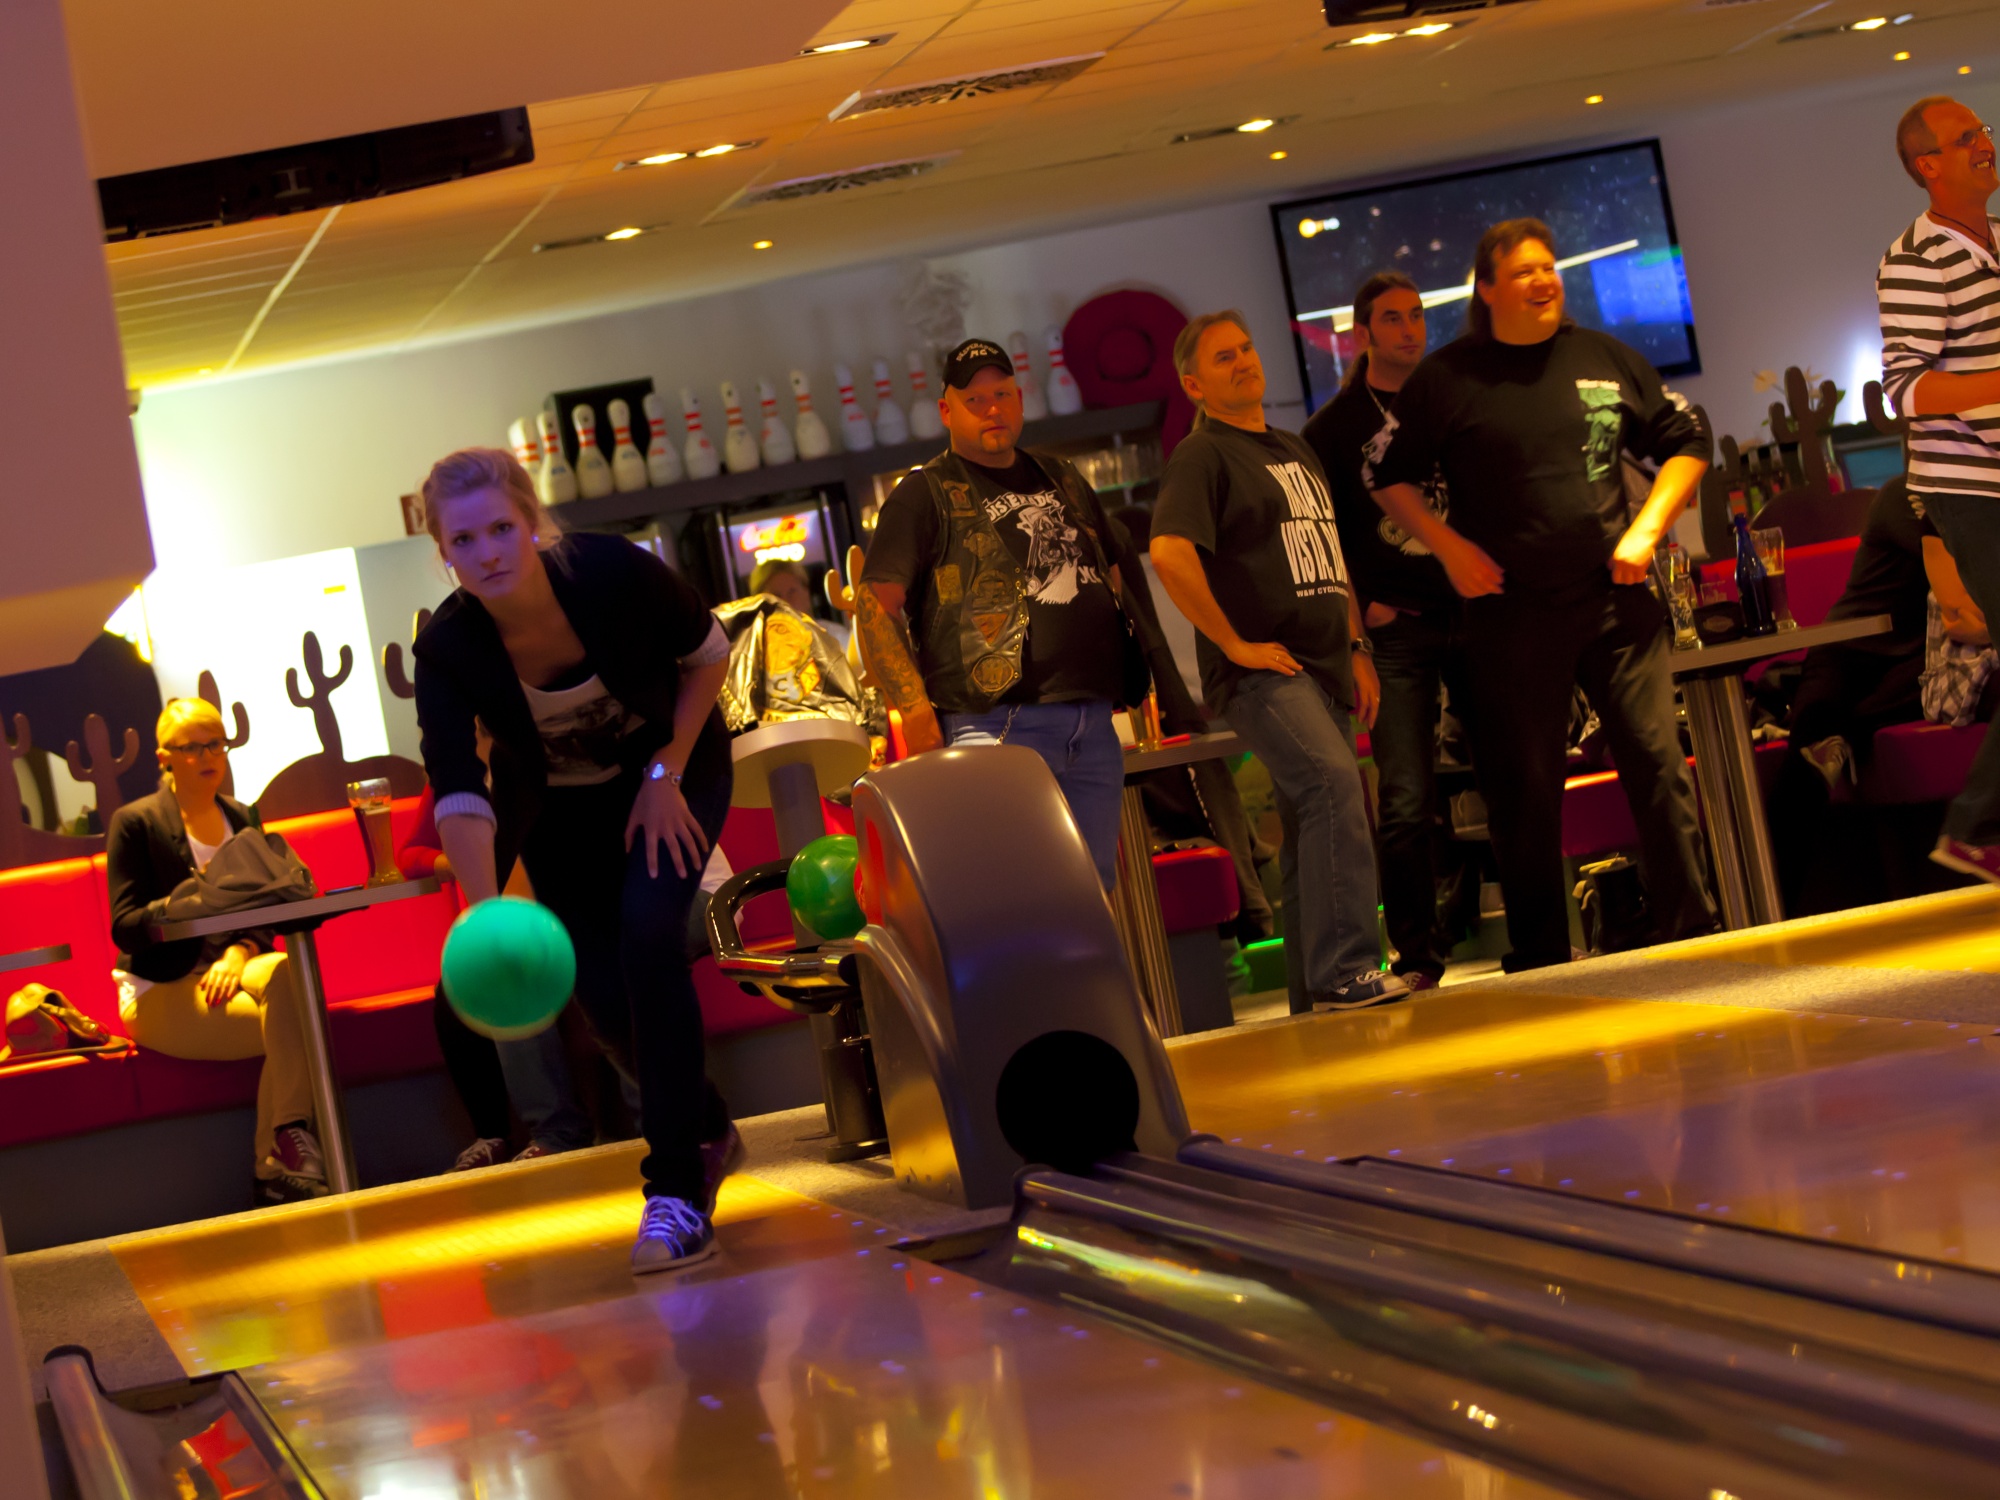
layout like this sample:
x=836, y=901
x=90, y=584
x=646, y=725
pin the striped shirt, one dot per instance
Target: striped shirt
x=1940, y=299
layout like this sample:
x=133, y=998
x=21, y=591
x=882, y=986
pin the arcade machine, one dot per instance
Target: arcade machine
x=1591, y=1348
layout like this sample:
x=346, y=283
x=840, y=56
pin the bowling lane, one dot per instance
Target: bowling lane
x=856, y=1373
x=1875, y=1132
x=1957, y=932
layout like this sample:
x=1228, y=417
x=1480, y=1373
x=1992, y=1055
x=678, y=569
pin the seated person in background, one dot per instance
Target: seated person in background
x=1958, y=682
x=785, y=581
x=215, y=999
x=787, y=663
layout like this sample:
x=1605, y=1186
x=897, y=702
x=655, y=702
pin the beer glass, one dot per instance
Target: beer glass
x=1683, y=590
x=1770, y=544
x=370, y=801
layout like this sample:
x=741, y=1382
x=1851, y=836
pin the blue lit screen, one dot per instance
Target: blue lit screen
x=1608, y=209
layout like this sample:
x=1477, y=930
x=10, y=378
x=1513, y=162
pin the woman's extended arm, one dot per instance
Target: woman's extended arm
x=468, y=844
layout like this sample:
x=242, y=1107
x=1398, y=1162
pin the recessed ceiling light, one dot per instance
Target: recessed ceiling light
x=1429, y=28
x=1247, y=127
x=666, y=158
x=1256, y=127
x=660, y=159
x=1901, y=57
x=722, y=150
x=1593, y=98
x=851, y=44
x=1965, y=70
x=1873, y=23
x=1371, y=39
x=1277, y=156
x=761, y=245
x=627, y=233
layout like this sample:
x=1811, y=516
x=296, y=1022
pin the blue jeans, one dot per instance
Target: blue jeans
x=1327, y=860
x=538, y=1081
x=1080, y=746
x=1970, y=527
x=1414, y=654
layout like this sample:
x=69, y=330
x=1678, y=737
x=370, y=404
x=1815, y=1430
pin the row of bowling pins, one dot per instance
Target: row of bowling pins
x=540, y=449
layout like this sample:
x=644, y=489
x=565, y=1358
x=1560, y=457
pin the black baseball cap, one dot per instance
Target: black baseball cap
x=972, y=356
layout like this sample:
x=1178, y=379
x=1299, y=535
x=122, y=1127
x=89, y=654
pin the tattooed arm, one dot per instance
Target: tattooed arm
x=885, y=647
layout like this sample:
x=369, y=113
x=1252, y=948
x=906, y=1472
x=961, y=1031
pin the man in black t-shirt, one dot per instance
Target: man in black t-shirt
x=1245, y=542
x=1525, y=417
x=1000, y=562
x=1410, y=611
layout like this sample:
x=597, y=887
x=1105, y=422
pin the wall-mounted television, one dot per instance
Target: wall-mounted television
x=1615, y=239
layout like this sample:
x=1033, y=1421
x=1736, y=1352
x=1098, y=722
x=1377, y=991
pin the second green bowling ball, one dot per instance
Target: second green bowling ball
x=508, y=967
x=820, y=886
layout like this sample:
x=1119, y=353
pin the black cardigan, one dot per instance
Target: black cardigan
x=636, y=618
x=146, y=854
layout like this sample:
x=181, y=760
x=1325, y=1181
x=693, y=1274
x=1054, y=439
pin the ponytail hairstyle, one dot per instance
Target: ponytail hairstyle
x=1373, y=290
x=472, y=469
x=1497, y=243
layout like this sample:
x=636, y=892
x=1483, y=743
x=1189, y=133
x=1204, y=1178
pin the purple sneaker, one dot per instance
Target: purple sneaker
x=673, y=1235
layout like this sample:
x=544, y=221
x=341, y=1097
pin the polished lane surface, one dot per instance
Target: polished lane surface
x=859, y=1372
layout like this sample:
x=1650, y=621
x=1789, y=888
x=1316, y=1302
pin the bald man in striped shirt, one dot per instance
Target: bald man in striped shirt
x=1939, y=290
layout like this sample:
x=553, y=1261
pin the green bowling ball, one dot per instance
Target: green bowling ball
x=508, y=967
x=820, y=886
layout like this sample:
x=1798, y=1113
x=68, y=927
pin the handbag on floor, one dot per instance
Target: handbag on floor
x=41, y=1020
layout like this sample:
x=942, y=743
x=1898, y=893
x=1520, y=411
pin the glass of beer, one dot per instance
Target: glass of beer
x=370, y=801
x=1683, y=590
x=1770, y=544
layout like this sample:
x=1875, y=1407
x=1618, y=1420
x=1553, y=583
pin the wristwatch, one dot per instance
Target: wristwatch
x=657, y=771
x=1362, y=644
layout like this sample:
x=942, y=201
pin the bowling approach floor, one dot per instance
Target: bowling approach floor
x=1833, y=1078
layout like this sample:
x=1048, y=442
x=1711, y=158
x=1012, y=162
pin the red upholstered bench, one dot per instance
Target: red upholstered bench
x=1596, y=818
x=1197, y=889
x=1920, y=763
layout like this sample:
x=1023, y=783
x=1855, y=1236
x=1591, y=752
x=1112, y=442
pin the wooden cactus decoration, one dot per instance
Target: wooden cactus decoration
x=104, y=770
x=1879, y=415
x=1806, y=424
x=210, y=694
x=321, y=699
x=392, y=660
x=841, y=596
x=21, y=844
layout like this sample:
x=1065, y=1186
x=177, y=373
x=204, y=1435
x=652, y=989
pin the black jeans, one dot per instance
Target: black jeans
x=1414, y=655
x=474, y=1066
x=1523, y=656
x=632, y=976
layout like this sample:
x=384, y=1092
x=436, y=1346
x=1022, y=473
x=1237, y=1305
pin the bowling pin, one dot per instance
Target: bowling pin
x=628, y=467
x=663, y=465
x=558, y=480
x=774, y=438
x=814, y=440
x=739, y=449
x=700, y=452
x=527, y=448
x=1033, y=405
x=891, y=427
x=924, y=422
x=1065, y=396
x=593, y=473
x=857, y=433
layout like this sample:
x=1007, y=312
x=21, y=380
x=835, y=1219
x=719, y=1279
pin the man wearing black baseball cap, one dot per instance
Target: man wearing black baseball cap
x=990, y=610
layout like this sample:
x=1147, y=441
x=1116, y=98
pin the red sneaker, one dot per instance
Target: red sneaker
x=1982, y=860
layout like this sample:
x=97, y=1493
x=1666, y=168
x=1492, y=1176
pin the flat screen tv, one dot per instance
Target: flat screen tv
x=1615, y=240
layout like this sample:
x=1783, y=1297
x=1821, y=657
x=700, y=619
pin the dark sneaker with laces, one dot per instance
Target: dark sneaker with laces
x=535, y=1151
x=673, y=1235
x=487, y=1151
x=294, y=1170
x=721, y=1159
x=1416, y=981
x=285, y=1188
x=1368, y=989
x=1982, y=860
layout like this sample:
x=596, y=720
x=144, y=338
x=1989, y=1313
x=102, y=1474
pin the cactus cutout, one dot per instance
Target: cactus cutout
x=20, y=843
x=210, y=694
x=392, y=661
x=104, y=770
x=1805, y=424
x=1879, y=416
x=321, y=699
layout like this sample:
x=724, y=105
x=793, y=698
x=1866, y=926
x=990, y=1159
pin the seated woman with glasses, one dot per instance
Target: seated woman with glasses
x=212, y=999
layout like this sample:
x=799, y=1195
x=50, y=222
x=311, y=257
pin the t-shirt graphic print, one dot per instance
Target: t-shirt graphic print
x=1312, y=542
x=1436, y=500
x=1054, y=570
x=1605, y=419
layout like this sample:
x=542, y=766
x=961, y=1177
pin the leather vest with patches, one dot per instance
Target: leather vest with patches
x=975, y=620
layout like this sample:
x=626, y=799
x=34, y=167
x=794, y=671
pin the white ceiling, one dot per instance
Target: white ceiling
x=459, y=259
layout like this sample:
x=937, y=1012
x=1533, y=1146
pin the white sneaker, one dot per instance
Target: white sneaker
x=673, y=1235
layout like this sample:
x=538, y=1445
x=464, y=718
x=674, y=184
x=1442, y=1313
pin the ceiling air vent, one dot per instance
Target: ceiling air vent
x=968, y=86
x=817, y=186
x=1372, y=12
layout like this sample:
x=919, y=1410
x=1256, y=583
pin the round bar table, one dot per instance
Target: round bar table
x=1725, y=767
x=29, y=958
x=298, y=921
x=1135, y=902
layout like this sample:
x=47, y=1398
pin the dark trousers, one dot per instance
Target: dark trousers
x=474, y=1066
x=632, y=977
x=1970, y=527
x=1414, y=655
x=1523, y=657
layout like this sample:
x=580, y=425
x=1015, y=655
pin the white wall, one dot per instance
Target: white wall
x=1783, y=208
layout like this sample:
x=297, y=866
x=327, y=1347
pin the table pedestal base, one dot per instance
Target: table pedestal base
x=1135, y=904
x=1725, y=769
x=328, y=1106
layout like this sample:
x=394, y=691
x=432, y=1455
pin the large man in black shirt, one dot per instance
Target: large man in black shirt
x=1002, y=561
x=1244, y=541
x=1525, y=417
x=1410, y=611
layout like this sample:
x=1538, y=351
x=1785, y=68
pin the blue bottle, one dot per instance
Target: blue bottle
x=1753, y=584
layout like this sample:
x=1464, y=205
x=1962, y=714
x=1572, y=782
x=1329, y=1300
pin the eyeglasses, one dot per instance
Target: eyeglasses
x=1964, y=143
x=194, y=749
